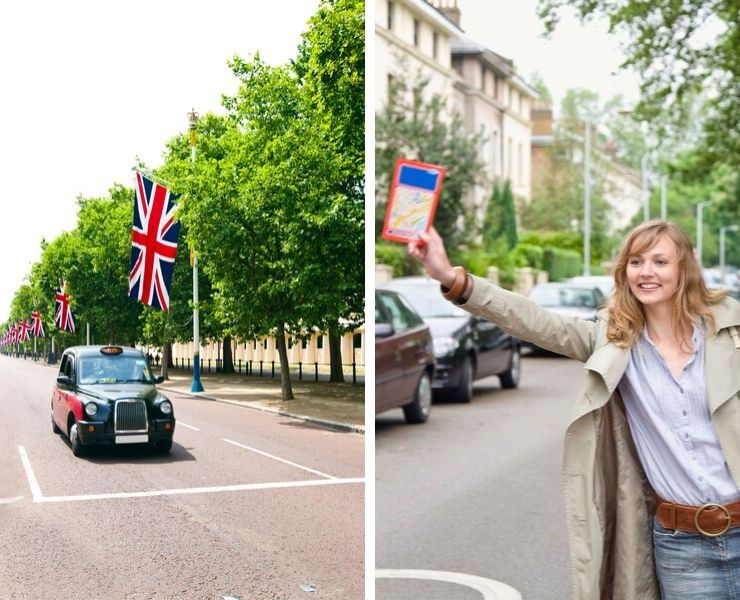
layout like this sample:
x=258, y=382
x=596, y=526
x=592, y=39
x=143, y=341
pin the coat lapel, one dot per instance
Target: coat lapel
x=610, y=362
x=722, y=356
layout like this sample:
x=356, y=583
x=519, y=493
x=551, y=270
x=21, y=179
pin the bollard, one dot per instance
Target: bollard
x=300, y=371
x=316, y=367
x=354, y=372
x=240, y=366
x=260, y=368
x=273, y=370
x=188, y=363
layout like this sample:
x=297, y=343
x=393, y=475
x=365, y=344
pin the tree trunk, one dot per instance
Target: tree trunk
x=166, y=360
x=227, y=364
x=335, y=356
x=284, y=368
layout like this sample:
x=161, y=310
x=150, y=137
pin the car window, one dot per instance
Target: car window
x=429, y=303
x=402, y=315
x=562, y=296
x=380, y=316
x=68, y=366
x=113, y=369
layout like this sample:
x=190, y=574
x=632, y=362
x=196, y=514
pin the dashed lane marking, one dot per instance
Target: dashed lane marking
x=180, y=423
x=32, y=481
x=491, y=589
x=287, y=462
x=11, y=500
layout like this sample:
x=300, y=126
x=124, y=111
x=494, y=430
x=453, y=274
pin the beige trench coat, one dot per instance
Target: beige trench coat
x=609, y=503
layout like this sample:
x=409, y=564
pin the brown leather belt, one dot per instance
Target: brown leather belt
x=710, y=520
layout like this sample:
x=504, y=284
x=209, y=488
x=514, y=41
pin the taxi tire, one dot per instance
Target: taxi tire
x=163, y=447
x=74, y=439
x=54, y=427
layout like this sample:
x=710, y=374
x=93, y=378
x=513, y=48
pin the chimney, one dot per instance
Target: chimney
x=449, y=9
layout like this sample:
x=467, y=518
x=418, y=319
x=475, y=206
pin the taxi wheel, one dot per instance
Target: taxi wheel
x=54, y=427
x=74, y=439
x=163, y=447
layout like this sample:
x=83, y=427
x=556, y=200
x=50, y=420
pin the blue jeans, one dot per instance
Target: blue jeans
x=692, y=566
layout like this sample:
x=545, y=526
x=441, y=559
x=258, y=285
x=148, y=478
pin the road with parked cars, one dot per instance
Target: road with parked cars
x=245, y=503
x=475, y=492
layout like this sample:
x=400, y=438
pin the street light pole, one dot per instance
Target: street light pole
x=699, y=208
x=587, y=199
x=197, y=385
x=645, y=191
x=722, y=249
x=663, y=194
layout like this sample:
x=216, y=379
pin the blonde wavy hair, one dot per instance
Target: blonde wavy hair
x=691, y=300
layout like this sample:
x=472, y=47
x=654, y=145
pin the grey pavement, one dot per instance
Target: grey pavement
x=339, y=406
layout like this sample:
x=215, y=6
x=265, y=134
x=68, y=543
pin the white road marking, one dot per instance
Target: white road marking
x=32, y=481
x=491, y=589
x=11, y=500
x=180, y=423
x=287, y=462
x=202, y=490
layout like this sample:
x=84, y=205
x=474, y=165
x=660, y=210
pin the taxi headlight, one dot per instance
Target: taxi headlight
x=444, y=346
x=166, y=407
x=91, y=409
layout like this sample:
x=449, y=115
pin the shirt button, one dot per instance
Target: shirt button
x=684, y=413
x=681, y=390
x=701, y=479
x=686, y=435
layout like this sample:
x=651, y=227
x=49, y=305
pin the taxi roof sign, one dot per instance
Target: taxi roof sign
x=111, y=350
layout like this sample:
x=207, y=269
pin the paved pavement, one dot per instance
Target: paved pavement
x=339, y=406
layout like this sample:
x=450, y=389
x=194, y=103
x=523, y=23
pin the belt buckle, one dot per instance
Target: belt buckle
x=707, y=507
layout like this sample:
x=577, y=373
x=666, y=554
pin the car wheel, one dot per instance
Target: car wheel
x=418, y=410
x=510, y=378
x=54, y=427
x=163, y=447
x=464, y=391
x=74, y=439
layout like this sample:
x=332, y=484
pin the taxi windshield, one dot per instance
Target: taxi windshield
x=113, y=369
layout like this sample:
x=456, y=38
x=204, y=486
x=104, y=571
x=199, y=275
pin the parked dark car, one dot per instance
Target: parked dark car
x=466, y=347
x=106, y=395
x=404, y=362
x=583, y=300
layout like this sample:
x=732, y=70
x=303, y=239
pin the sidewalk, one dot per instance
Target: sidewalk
x=339, y=406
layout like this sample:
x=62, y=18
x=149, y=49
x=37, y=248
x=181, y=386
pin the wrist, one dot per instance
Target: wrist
x=458, y=286
x=448, y=278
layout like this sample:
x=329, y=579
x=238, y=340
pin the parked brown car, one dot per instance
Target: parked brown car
x=404, y=358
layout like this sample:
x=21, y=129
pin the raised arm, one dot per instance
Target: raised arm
x=514, y=313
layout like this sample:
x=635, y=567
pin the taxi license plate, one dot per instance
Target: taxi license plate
x=132, y=439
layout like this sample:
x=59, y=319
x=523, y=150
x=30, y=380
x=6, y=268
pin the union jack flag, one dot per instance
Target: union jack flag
x=154, y=244
x=14, y=334
x=37, y=327
x=63, y=315
x=23, y=329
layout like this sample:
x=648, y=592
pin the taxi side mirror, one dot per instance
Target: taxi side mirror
x=64, y=380
x=158, y=379
x=383, y=330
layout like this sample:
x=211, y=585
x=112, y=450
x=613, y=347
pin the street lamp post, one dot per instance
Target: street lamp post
x=197, y=385
x=722, y=249
x=587, y=199
x=645, y=190
x=699, y=208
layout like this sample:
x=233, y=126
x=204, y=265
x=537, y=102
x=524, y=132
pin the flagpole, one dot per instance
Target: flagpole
x=197, y=385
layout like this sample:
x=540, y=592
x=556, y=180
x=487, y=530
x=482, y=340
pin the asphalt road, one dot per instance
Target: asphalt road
x=247, y=503
x=476, y=490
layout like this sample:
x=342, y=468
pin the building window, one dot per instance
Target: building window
x=391, y=87
x=495, y=87
x=483, y=77
x=357, y=341
x=390, y=16
x=264, y=344
x=494, y=151
x=435, y=44
x=320, y=342
x=417, y=27
x=304, y=343
x=509, y=157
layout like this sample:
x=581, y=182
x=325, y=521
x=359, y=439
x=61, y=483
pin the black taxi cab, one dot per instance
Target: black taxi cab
x=106, y=395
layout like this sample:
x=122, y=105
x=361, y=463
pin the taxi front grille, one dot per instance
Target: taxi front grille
x=130, y=416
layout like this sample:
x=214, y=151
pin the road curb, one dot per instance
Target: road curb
x=333, y=425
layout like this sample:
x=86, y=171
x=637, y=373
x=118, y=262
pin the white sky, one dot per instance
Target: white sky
x=576, y=55
x=88, y=86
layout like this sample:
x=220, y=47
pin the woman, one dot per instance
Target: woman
x=651, y=463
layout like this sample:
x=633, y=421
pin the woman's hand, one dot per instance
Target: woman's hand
x=430, y=250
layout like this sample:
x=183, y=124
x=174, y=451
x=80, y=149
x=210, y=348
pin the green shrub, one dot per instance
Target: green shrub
x=477, y=260
x=398, y=258
x=528, y=255
x=561, y=264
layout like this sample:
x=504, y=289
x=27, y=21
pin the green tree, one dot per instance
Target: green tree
x=672, y=45
x=500, y=220
x=420, y=125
